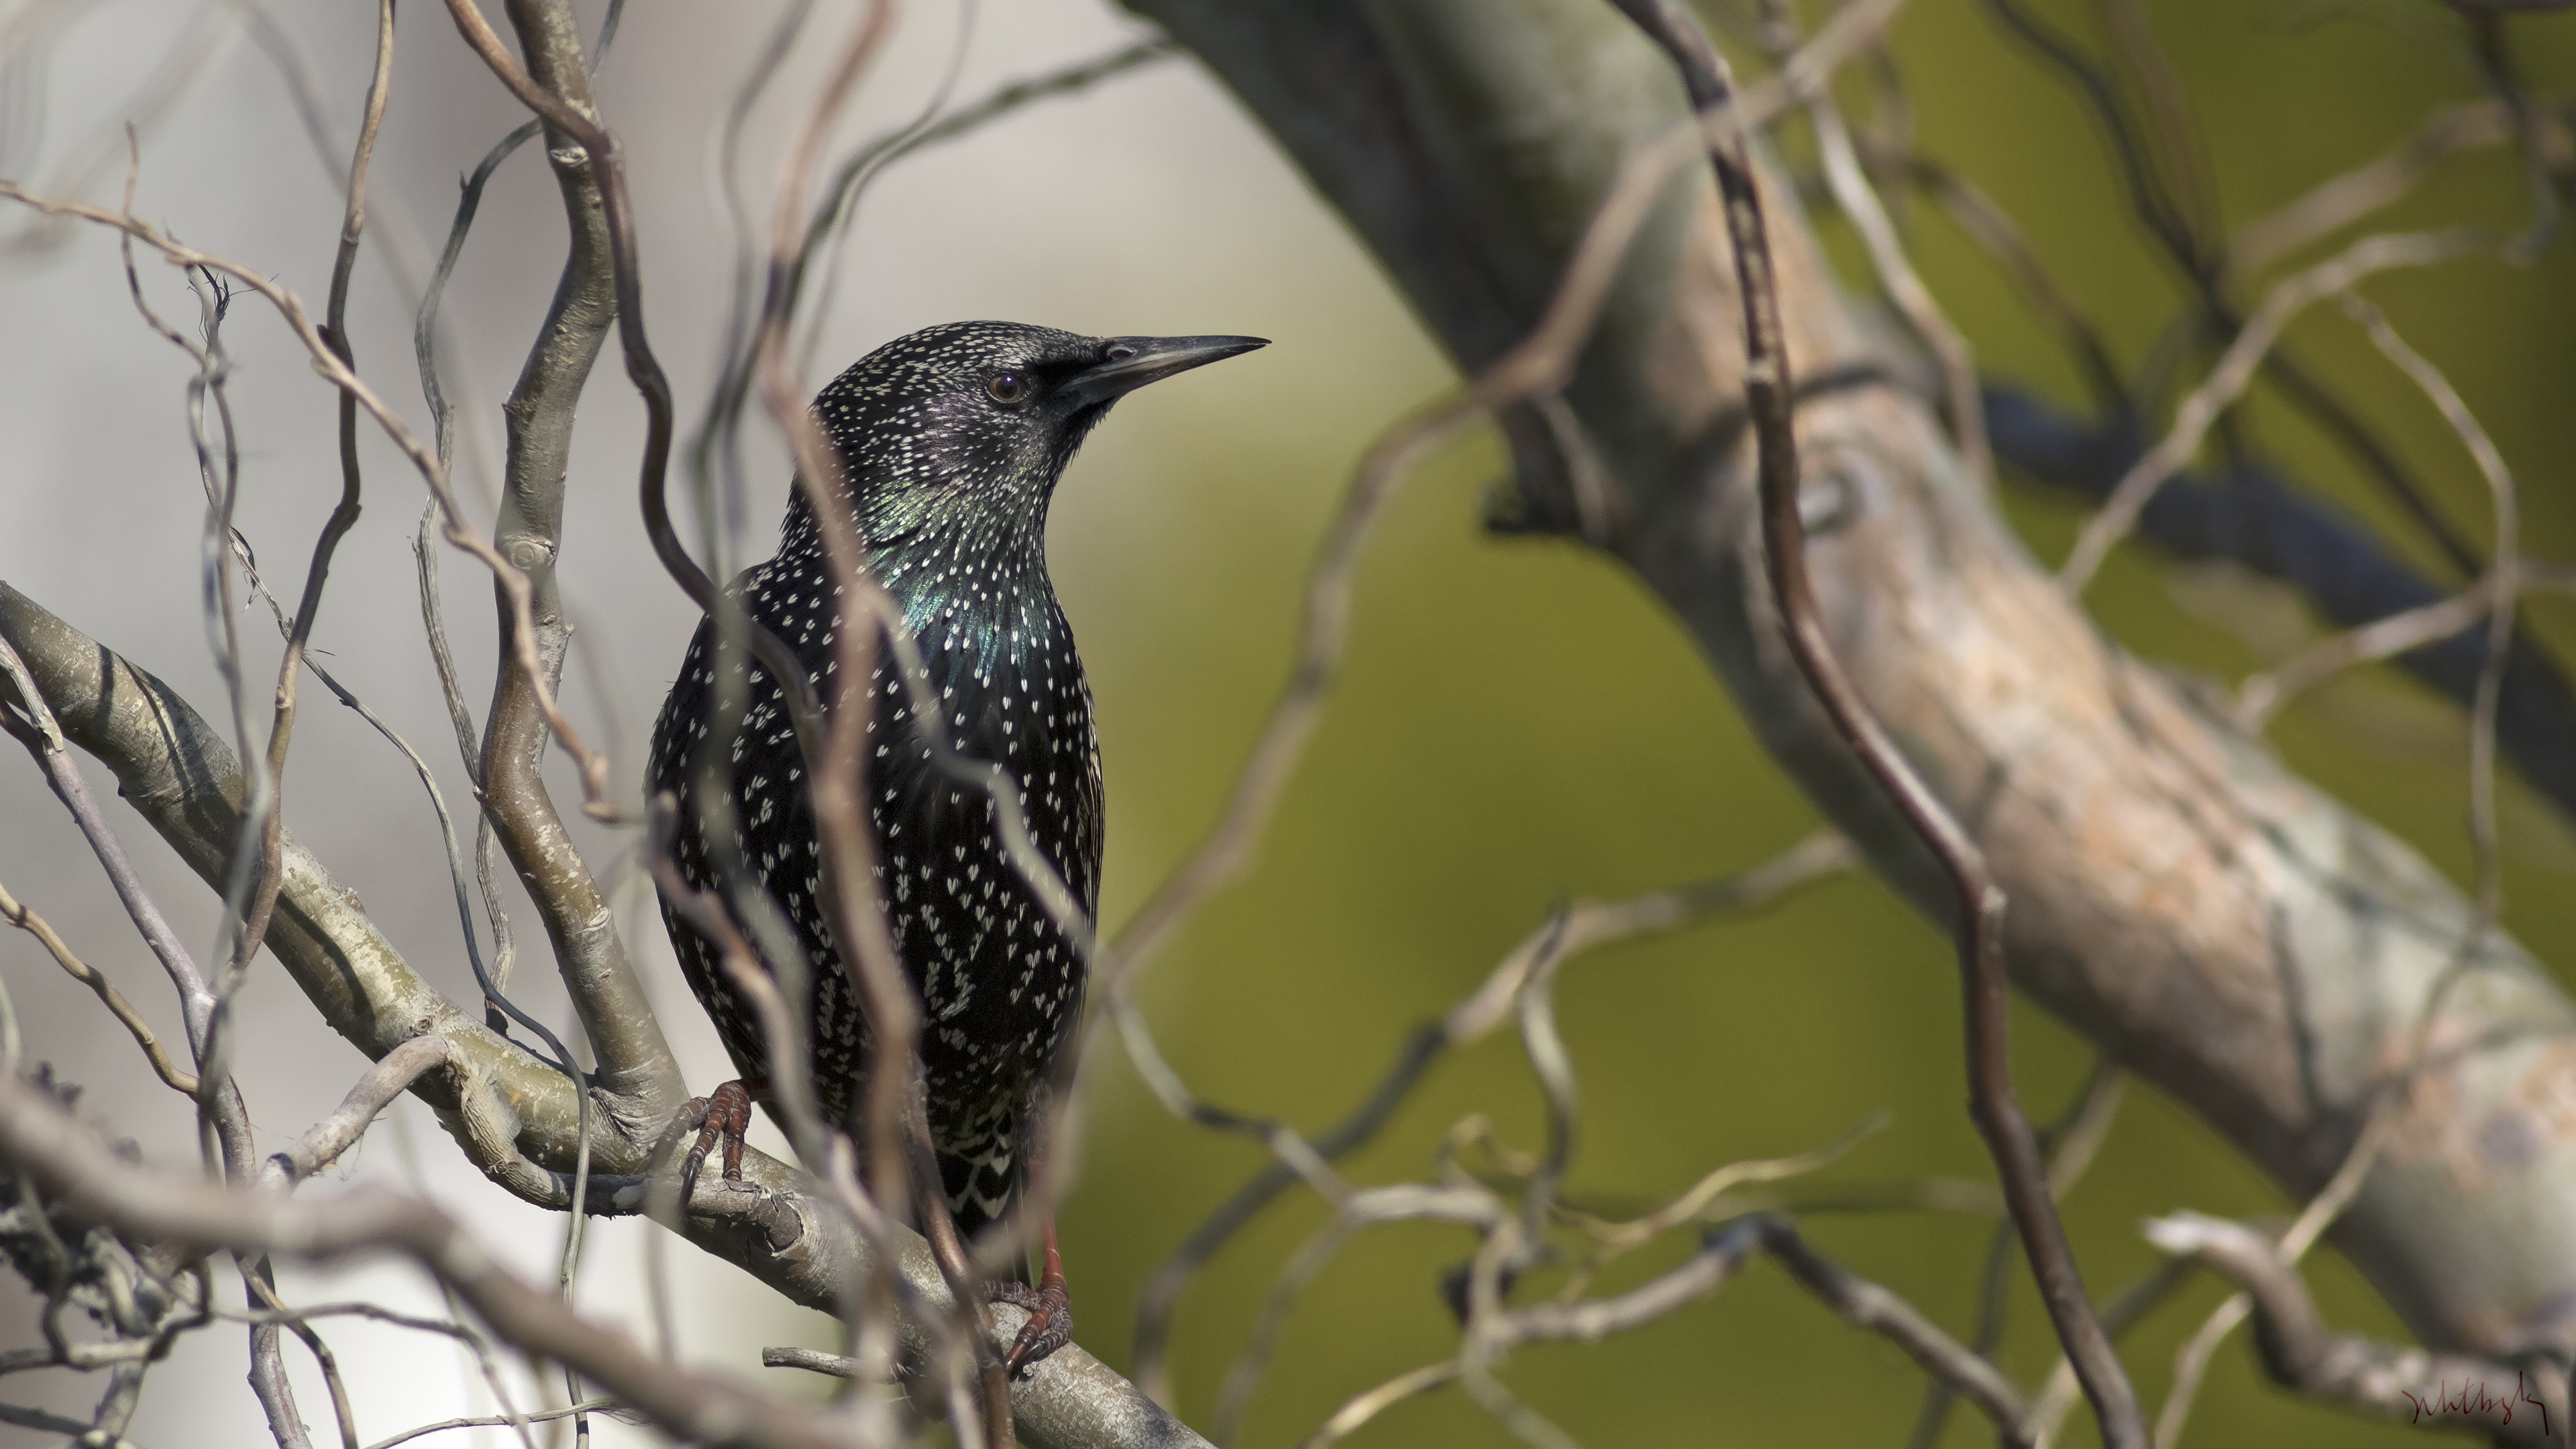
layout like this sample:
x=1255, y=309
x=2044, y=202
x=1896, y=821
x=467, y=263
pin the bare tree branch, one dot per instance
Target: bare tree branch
x=182, y=777
x=1978, y=900
x=43, y=1142
x=2516, y=1403
x=2236, y=369
x=2331, y=205
x=327, y=1139
x=2180, y=897
x=640, y=1079
x=2248, y=514
x=586, y=1406
x=25, y=919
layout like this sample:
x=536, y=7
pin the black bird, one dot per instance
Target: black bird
x=951, y=441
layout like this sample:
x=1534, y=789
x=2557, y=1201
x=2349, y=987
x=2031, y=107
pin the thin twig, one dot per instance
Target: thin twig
x=258, y=864
x=2500, y=585
x=2236, y=368
x=2332, y=205
x=454, y=529
x=1465, y=1206
x=2262, y=696
x=73, y=1165
x=2191, y=1361
x=1585, y=926
x=1538, y=365
x=2451, y=1390
x=2071, y=1142
x=2201, y=258
x=586, y=1406
x=1993, y=228
x=1978, y=900
x=1860, y=204
x=334, y=1135
x=26, y=919
x=2504, y=581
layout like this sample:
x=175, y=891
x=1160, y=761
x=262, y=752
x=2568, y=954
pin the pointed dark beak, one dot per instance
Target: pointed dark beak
x=1132, y=362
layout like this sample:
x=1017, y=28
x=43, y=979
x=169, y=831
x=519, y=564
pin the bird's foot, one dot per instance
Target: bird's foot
x=728, y=1117
x=1050, y=1324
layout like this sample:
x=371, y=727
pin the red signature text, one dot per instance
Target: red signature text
x=2473, y=1400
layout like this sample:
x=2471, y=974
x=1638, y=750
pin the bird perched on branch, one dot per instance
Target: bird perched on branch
x=950, y=442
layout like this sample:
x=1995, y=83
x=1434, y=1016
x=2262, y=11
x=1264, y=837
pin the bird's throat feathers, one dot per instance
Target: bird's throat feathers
x=963, y=553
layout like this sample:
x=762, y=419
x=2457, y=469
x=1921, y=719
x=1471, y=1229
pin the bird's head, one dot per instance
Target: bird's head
x=968, y=425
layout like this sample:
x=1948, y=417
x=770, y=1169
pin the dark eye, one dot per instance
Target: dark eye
x=1008, y=387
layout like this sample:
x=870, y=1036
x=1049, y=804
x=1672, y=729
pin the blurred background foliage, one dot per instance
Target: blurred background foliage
x=1519, y=725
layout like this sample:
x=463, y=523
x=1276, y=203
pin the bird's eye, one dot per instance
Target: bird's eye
x=1008, y=387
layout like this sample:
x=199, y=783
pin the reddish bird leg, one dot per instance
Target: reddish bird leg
x=1050, y=1324
x=728, y=1118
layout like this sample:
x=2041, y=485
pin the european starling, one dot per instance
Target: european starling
x=951, y=442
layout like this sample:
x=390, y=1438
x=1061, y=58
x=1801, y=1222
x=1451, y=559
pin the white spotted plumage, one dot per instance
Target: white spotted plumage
x=950, y=490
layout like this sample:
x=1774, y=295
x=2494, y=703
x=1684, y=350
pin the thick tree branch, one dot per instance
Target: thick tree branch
x=70, y=1164
x=1977, y=903
x=639, y=1077
x=2514, y=1403
x=515, y=1116
x=173, y=768
x=2213, y=922
x=2251, y=515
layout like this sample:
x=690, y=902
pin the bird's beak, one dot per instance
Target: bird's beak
x=1132, y=362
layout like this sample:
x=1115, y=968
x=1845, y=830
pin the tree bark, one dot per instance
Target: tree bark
x=2178, y=896
x=515, y=1118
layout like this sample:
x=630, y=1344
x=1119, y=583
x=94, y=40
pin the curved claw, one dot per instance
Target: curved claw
x=1050, y=1324
x=728, y=1117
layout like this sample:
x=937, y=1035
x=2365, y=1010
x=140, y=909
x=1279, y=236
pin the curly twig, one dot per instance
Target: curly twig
x=1978, y=901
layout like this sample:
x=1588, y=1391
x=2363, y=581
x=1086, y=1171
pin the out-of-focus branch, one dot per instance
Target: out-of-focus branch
x=1723, y=1253
x=83, y=1434
x=2332, y=205
x=833, y=217
x=47, y=1146
x=2250, y=515
x=1853, y=193
x=2236, y=368
x=2515, y=1403
x=2263, y=695
x=497, y=1421
x=1977, y=899
x=515, y=1116
x=2180, y=897
x=1859, y=1302
x=25, y=918
x=2185, y=238
x=1521, y=365
x=1582, y=928
x=140, y=1297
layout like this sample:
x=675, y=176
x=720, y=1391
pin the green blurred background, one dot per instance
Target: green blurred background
x=1519, y=724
